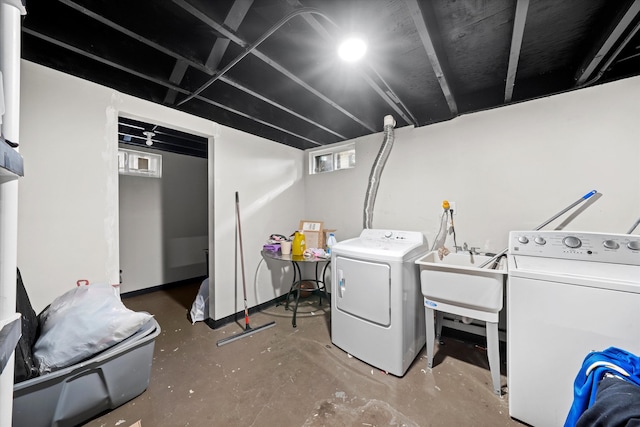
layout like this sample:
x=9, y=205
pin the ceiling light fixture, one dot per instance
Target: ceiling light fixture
x=149, y=135
x=352, y=49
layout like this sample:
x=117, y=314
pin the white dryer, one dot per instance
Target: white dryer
x=568, y=293
x=377, y=312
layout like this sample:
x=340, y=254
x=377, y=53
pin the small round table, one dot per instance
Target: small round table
x=318, y=281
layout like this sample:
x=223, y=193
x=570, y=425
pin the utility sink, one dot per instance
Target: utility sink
x=456, y=285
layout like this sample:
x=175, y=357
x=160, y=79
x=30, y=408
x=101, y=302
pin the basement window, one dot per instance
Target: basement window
x=332, y=159
x=138, y=163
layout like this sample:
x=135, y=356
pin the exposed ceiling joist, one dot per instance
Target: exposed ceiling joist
x=256, y=119
x=165, y=84
x=614, y=56
x=516, y=45
x=134, y=132
x=128, y=32
x=389, y=97
x=239, y=41
x=608, y=43
x=182, y=63
x=393, y=100
x=257, y=95
x=626, y=58
x=104, y=61
x=176, y=77
x=233, y=20
x=428, y=62
x=436, y=63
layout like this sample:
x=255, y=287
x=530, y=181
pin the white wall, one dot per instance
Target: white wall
x=68, y=208
x=163, y=223
x=68, y=198
x=67, y=229
x=508, y=168
x=270, y=182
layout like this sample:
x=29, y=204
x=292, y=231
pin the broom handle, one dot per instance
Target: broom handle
x=553, y=218
x=244, y=286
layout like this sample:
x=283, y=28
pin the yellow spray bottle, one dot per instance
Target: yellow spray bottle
x=298, y=245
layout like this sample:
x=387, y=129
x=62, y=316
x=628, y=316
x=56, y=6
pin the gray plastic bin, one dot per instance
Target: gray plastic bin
x=75, y=394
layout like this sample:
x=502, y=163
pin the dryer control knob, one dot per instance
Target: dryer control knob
x=540, y=241
x=634, y=245
x=572, y=242
x=388, y=234
x=610, y=244
x=523, y=240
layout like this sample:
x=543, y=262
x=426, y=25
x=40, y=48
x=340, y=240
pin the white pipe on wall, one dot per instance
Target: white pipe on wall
x=10, y=67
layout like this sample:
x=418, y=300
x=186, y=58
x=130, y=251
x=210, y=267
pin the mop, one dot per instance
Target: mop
x=248, y=330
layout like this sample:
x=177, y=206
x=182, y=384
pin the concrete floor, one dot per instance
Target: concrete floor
x=285, y=376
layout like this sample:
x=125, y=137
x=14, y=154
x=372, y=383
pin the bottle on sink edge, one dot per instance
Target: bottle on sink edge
x=299, y=245
x=331, y=241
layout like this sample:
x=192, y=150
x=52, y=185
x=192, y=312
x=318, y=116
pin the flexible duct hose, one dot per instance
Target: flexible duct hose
x=376, y=170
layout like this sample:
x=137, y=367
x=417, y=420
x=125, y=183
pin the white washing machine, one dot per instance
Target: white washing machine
x=377, y=312
x=568, y=293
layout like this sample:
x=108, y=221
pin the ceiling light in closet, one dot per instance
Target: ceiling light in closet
x=149, y=135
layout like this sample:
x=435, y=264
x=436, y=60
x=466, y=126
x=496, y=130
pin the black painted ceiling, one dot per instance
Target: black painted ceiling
x=134, y=132
x=270, y=69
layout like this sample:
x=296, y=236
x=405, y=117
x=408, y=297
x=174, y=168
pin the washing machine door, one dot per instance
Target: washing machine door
x=364, y=289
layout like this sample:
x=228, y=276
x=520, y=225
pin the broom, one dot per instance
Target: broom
x=248, y=330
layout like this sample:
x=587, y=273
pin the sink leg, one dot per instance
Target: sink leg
x=493, y=351
x=439, y=319
x=431, y=336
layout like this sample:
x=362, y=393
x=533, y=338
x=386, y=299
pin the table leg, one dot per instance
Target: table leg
x=295, y=309
x=296, y=274
x=296, y=287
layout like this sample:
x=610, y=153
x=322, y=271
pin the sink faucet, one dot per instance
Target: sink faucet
x=465, y=248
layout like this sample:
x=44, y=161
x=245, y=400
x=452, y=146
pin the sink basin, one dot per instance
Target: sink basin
x=456, y=285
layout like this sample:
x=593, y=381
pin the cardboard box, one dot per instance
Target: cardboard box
x=312, y=233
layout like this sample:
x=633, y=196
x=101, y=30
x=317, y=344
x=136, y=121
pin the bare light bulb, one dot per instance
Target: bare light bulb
x=149, y=135
x=352, y=49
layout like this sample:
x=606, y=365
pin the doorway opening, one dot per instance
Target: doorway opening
x=163, y=206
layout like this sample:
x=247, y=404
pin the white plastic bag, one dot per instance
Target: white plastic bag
x=82, y=322
x=200, y=307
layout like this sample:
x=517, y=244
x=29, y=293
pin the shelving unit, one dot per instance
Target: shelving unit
x=10, y=331
x=11, y=163
x=11, y=168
